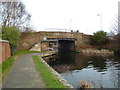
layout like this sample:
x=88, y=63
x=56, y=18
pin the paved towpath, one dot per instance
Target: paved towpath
x=23, y=74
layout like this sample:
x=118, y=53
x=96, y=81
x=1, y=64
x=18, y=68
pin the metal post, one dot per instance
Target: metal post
x=70, y=24
x=100, y=20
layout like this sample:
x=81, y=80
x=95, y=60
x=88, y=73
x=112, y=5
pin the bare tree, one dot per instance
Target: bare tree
x=14, y=14
x=115, y=32
x=116, y=27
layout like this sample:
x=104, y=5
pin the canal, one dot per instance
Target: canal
x=101, y=70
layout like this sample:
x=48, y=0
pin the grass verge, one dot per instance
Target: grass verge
x=5, y=66
x=26, y=52
x=49, y=78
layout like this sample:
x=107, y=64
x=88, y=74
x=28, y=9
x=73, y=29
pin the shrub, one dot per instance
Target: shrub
x=11, y=34
x=99, y=38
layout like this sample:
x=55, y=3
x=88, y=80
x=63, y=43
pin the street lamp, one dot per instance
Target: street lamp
x=100, y=20
x=70, y=24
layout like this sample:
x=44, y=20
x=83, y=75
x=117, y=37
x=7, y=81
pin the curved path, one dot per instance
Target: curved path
x=23, y=74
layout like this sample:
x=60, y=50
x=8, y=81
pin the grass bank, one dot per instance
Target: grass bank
x=26, y=52
x=49, y=78
x=6, y=65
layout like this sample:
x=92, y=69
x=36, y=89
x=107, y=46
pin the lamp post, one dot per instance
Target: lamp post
x=100, y=20
x=70, y=24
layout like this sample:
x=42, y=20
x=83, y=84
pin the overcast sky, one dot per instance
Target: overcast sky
x=82, y=14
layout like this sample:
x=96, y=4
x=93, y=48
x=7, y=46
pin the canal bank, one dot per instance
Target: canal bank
x=56, y=74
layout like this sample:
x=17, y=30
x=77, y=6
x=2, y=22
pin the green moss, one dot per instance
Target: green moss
x=49, y=78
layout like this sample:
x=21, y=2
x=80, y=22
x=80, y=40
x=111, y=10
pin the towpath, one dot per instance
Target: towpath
x=23, y=74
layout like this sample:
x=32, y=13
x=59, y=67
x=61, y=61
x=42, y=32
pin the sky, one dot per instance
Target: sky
x=79, y=15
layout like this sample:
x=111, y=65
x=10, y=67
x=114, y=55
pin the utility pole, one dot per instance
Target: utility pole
x=100, y=20
x=70, y=24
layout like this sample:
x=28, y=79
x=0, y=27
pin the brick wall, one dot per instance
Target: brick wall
x=28, y=39
x=4, y=50
x=44, y=46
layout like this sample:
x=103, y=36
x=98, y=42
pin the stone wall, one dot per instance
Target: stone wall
x=4, y=50
x=28, y=39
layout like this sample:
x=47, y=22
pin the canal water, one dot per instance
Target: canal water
x=101, y=70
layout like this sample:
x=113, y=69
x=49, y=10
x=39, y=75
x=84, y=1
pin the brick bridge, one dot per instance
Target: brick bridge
x=46, y=40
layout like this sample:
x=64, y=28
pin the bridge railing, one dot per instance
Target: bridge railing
x=61, y=30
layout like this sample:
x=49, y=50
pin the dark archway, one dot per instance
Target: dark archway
x=68, y=45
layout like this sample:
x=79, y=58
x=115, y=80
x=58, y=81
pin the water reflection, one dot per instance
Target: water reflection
x=102, y=71
x=99, y=63
x=66, y=57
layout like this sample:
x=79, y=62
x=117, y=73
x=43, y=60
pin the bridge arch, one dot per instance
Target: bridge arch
x=66, y=44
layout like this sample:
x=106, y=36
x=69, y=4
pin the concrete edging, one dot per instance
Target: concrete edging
x=60, y=78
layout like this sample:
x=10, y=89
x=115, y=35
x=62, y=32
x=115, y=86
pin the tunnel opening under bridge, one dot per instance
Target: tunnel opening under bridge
x=66, y=45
